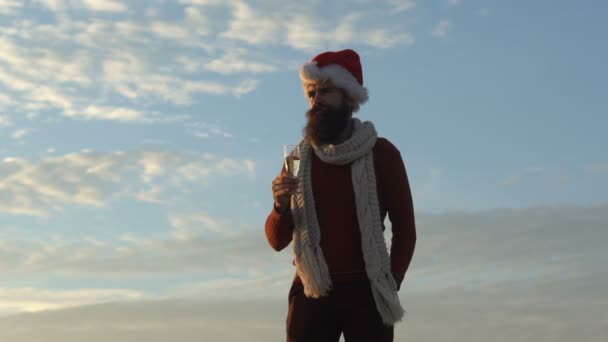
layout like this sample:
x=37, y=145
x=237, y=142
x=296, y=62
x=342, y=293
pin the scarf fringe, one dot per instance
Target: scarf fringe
x=387, y=300
x=316, y=280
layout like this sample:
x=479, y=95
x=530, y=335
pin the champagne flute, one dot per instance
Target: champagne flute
x=292, y=156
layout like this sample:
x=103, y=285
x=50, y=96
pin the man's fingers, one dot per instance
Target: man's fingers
x=278, y=186
x=286, y=181
x=281, y=193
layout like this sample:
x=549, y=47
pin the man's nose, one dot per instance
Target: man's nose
x=316, y=99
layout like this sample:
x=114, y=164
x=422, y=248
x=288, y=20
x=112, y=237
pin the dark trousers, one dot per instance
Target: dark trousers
x=349, y=309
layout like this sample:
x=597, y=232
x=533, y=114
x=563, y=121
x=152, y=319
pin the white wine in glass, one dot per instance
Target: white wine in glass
x=292, y=159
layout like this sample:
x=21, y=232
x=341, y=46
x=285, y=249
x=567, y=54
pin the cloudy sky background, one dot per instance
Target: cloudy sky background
x=138, y=140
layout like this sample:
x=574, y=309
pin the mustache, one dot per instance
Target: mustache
x=318, y=110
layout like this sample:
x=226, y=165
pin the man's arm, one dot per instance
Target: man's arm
x=279, y=228
x=398, y=201
x=279, y=224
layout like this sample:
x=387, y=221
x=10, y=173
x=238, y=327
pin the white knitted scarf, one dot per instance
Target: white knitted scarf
x=311, y=266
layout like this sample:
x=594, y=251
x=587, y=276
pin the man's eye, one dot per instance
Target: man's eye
x=311, y=94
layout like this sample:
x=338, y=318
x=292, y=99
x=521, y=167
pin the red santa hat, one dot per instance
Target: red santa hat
x=342, y=68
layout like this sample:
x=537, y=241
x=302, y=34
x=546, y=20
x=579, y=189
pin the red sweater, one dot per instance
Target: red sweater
x=337, y=214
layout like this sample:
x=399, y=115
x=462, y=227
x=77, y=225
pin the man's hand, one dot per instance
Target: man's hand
x=282, y=188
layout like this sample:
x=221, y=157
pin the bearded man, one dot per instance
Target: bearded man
x=348, y=181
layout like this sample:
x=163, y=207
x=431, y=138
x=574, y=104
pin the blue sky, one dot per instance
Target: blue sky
x=138, y=141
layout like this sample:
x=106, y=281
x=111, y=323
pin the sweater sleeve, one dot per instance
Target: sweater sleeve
x=279, y=229
x=397, y=198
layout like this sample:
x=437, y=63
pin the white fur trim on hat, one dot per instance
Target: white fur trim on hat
x=339, y=76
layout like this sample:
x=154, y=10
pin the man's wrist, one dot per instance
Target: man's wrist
x=279, y=209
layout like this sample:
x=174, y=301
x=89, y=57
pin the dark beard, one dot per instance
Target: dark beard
x=325, y=124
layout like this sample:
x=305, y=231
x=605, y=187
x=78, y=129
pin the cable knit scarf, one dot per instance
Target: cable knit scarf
x=311, y=266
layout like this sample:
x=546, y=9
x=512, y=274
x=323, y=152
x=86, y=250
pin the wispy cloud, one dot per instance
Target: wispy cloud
x=9, y=6
x=307, y=33
x=121, y=114
x=442, y=29
x=205, y=130
x=30, y=299
x=233, y=62
x=105, y=5
x=187, y=227
x=455, y=2
x=4, y=121
x=191, y=244
x=402, y=5
x=19, y=134
x=597, y=167
x=94, y=178
x=521, y=174
x=488, y=263
x=252, y=26
x=91, y=5
x=95, y=67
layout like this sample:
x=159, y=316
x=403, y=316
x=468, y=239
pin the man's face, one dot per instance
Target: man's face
x=328, y=115
x=324, y=93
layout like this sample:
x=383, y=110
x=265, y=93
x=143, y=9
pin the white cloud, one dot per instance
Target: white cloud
x=63, y=78
x=105, y=5
x=233, y=62
x=187, y=227
x=91, y=5
x=534, y=315
x=54, y=5
x=189, y=64
x=6, y=100
x=84, y=64
x=168, y=30
x=19, y=134
x=207, y=130
x=119, y=114
x=9, y=6
x=503, y=267
x=197, y=21
x=301, y=28
x=5, y=121
x=478, y=250
x=129, y=76
x=94, y=178
x=250, y=26
x=403, y=5
x=304, y=32
x=205, y=2
x=195, y=244
x=29, y=299
x=154, y=194
x=442, y=29
x=253, y=285
x=519, y=175
x=187, y=320
x=386, y=39
x=455, y=2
